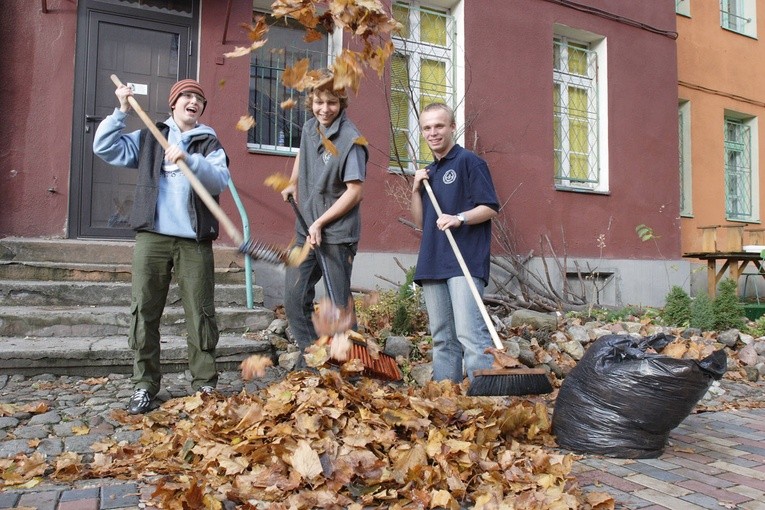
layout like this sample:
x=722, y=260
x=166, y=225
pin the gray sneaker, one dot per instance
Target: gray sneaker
x=140, y=402
x=207, y=390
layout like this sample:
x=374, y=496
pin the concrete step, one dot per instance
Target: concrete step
x=97, y=321
x=99, y=293
x=93, y=251
x=98, y=356
x=91, y=272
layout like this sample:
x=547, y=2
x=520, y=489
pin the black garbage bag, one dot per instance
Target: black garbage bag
x=621, y=401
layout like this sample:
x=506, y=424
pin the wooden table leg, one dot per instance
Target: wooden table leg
x=711, y=277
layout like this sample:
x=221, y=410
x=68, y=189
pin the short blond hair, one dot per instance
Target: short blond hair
x=443, y=107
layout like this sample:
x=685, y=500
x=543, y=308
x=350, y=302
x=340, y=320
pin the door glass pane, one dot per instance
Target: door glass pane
x=176, y=7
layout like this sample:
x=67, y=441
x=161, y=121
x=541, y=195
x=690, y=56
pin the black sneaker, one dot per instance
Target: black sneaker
x=140, y=402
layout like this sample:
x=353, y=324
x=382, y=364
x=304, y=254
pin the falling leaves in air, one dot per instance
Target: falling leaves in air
x=246, y=122
x=255, y=33
x=361, y=141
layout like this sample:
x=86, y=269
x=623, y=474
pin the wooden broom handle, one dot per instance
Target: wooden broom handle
x=201, y=191
x=466, y=272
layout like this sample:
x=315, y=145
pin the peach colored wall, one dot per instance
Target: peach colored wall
x=718, y=70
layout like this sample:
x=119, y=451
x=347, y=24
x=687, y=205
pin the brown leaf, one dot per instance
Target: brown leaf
x=278, y=182
x=246, y=122
x=288, y=104
x=255, y=366
x=306, y=461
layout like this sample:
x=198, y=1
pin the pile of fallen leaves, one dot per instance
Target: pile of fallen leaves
x=317, y=441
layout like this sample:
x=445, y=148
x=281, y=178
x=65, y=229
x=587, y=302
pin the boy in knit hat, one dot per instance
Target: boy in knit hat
x=174, y=232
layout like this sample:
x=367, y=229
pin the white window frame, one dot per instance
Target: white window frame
x=454, y=59
x=334, y=47
x=739, y=16
x=683, y=8
x=752, y=125
x=597, y=44
x=684, y=152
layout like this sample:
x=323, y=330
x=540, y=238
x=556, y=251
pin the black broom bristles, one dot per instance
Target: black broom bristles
x=509, y=382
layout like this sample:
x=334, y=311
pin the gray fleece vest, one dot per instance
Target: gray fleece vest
x=321, y=179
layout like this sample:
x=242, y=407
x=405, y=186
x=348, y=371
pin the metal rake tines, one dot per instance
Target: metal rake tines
x=265, y=252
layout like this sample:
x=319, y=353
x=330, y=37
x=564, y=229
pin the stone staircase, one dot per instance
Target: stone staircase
x=64, y=309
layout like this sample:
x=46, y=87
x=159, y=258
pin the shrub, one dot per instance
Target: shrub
x=702, y=313
x=677, y=311
x=728, y=310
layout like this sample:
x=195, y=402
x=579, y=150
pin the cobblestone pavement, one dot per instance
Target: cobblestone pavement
x=714, y=459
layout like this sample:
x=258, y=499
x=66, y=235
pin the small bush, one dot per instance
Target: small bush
x=728, y=310
x=702, y=313
x=677, y=311
x=757, y=328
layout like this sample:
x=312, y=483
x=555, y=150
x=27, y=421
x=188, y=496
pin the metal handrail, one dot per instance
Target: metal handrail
x=245, y=235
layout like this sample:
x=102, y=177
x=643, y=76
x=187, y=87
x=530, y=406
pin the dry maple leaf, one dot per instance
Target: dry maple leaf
x=246, y=122
x=328, y=318
x=306, y=461
x=502, y=359
x=361, y=141
x=278, y=182
x=327, y=143
x=288, y=104
x=255, y=366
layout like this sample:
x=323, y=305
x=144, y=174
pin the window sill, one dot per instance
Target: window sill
x=588, y=191
x=253, y=149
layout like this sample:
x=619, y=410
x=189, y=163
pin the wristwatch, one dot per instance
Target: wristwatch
x=461, y=217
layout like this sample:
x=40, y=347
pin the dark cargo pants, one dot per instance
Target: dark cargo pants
x=155, y=259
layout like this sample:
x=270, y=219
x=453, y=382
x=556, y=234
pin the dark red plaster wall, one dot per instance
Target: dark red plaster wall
x=509, y=97
x=36, y=96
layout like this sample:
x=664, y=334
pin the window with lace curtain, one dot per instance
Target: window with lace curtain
x=579, y=140
x=422, y=72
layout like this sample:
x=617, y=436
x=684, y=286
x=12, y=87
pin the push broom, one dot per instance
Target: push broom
x=257, y=250
x=383, y=366
x=499, y=381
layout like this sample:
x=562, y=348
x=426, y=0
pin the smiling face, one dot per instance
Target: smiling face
x=187, y=110
x=325, y=106
x=438, y=128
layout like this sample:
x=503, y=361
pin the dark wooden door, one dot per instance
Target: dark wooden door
x=148, y=55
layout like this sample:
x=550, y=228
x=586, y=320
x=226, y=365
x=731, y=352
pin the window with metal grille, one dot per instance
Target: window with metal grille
x=684, y=153
x=422, y=72
x=738, y=170
x=575, y=107
x=277, y=129
x=738, y=16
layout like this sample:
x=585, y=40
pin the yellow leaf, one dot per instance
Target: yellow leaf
x=361, y=141
x=278, y=182
x=255, y=366
x=80, y=430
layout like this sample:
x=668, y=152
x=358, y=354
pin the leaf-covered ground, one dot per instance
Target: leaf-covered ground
x=318, y=441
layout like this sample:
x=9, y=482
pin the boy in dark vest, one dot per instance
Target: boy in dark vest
x=174, y=232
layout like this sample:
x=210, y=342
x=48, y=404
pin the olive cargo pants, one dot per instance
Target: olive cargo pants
x=155, y=259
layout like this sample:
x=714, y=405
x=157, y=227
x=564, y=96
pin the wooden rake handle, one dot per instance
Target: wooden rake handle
x=201, y=191
x=466, y=272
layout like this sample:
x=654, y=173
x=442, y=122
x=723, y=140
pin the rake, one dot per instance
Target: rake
x=255, y=249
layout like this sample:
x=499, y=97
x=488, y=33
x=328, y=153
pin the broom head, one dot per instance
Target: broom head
x=509, y=382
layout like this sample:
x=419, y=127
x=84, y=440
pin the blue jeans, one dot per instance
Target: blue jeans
x=300, y=290
x=460, y=335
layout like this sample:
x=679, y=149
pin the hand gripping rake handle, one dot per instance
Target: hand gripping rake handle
x=201, y=191
x=466, y=272
x=319, y=254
